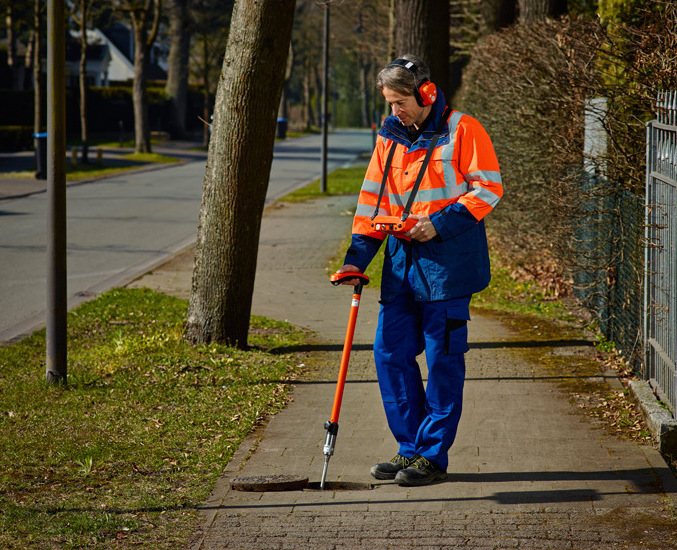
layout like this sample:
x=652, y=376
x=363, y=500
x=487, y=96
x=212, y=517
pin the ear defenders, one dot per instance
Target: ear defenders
x=425, y=91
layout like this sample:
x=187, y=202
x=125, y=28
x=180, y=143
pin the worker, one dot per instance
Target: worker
x=432, y=269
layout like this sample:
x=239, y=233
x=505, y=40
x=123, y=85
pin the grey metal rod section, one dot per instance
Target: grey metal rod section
x=56, y=191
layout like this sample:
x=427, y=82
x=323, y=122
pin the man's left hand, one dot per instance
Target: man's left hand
x=423, y=231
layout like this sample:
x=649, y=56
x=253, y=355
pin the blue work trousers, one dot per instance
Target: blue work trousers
x=422, y=420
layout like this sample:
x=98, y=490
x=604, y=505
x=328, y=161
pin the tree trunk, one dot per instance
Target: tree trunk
x=497, y=14
x=12, y=53
x=307, y=96
x=531, y=11
x=84, y=134
x=28, y=62
x=366, y=93
x=139, y=96
x=237, y=172
x=422, y=27
x=37, y=69
x=392, y=47
x=177, y=76
x=145, y=22
x=318, y=94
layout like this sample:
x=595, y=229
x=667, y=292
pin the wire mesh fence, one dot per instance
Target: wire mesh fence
x=608, y=274
x=625, y=264
x=660, y=296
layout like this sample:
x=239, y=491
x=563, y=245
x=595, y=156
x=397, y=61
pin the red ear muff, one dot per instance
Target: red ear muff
x=427, y=93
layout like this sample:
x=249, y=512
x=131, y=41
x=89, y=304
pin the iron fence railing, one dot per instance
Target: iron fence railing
x=660, y=258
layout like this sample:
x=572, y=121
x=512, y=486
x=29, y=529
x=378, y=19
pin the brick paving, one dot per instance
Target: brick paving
x=528, y=470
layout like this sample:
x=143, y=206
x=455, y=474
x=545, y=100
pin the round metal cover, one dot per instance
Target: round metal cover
x=278, y=482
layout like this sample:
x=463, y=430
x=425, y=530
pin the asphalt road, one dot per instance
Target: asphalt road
x=121, y=227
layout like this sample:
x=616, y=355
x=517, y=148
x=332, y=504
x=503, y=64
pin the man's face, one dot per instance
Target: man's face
x=405, y=108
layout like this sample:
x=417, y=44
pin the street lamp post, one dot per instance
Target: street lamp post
x=325, y=94
x=57, y=303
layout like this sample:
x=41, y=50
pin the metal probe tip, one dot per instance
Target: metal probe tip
x=324, y=471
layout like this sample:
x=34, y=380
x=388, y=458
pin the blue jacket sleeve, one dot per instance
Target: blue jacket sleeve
x=452, y=220
x=362, y=251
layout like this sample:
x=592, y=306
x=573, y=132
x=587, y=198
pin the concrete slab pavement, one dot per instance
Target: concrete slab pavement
x=528, y=470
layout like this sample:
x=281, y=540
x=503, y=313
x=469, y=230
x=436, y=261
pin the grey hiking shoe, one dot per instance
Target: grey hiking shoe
x=388, y=470
x=420, y=472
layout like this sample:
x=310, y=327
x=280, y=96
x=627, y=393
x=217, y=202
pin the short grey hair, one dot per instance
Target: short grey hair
x=400, y=79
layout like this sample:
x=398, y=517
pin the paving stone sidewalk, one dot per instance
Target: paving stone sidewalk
x=528, y=470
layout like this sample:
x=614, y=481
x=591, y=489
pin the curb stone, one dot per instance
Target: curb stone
x=659, y=420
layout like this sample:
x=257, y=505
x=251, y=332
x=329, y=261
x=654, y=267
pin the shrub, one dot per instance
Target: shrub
x=16, y=138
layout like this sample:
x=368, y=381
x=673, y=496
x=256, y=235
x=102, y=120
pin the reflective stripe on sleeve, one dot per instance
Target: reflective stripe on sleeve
x=484, y=175
x=370, y=186
x=488, y=181
x=484, y=195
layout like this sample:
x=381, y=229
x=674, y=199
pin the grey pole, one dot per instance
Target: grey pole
x=325, y=94
x=56, y=192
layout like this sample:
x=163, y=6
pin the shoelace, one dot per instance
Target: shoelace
x=405, y=461
x=422, y=463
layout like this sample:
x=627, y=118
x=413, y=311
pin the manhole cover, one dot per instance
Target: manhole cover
x=279, y=482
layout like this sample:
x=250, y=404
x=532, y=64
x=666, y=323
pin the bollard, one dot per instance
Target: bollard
x=74, y=157
x=99, y=157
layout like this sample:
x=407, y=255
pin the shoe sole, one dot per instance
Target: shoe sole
x=381, y=475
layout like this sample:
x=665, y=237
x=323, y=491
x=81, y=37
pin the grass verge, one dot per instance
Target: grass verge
x=342, y=181
x=88, y=171
x=123, y=455
x=94, y=170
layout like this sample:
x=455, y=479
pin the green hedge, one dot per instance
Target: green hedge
x=106, y=108
x=16, y=107
x=16, y=138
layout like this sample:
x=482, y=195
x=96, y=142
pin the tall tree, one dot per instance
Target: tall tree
x=18, y=25
x=237, y=172
x=421, y=27
x=37, y=67
x=145, y=17
x=210, y=28
x=360, y=35
x=538, y=10
x=81, y=15
x=307, y=45
x=176, y=88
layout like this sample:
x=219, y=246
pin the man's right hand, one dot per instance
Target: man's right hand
x=347, y=268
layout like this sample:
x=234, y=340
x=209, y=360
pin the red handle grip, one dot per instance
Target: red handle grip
x=338, y=278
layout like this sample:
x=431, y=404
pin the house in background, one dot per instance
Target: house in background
x=120, y=40
x=97, y=68
x=110, y=59
x=118, y=43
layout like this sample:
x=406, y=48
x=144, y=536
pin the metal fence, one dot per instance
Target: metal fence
x=608, y=269
x=660, y=260
x=607, y=250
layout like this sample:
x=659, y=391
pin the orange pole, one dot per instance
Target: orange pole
x=345, y=358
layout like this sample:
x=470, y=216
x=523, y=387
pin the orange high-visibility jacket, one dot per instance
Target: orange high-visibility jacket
x=461, y=185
